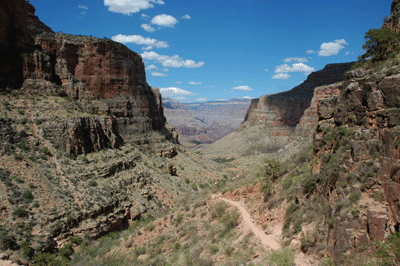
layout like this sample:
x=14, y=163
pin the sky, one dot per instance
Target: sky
x=207, y=50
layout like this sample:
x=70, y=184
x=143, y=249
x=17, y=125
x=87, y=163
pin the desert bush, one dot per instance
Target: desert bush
x=284, y=257
x=219, y=209
x=20, y=212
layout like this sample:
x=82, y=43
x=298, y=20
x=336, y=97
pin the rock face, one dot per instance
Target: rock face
x=357, y=153
x=36, y=26
x=14, y=40
x=309, y=121
x=283, y=111
x=393, y=22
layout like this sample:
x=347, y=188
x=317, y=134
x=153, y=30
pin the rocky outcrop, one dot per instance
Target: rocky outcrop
x=282, y=111
x=82, y=135
x=393, y=22
x=356, y=152
x=36, y=26
x=309, y=121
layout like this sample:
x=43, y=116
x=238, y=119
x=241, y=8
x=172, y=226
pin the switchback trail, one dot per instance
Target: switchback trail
x=268, y=241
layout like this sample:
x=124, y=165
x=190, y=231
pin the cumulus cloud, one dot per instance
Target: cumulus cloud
x=247, y=97
x=311, y=52
x=281, y=76
x=186, y=17
x=201, y=99
x=151, y=67
x=174, y=91
x=147, y=27
x=140, y=40
x=171, y=61
x=332, y=48
x=242, y=88
x=295, y=59
x=298, y=67
x=158, y=74
x=194, y=83
x=128, y=7
x=83, y=7
x=164, y=21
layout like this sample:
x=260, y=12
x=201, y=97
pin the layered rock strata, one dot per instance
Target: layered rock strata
x=282, y=111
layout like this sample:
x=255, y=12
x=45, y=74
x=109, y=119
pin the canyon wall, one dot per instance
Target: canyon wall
x=81, y=131
x=282, y=111
x=356, y=152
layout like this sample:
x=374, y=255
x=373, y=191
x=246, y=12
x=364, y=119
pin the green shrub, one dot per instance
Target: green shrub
x=46, y=151
x=92, y=183
x=309, y=182
x=219, y=209
x=75, y=240
x=194, y=187
x=20, y=212
x=48, y=259
x=66, y=251
x=284, y=257
x=27, y=251
x=388, y=253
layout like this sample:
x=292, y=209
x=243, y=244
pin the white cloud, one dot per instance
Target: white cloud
x=186, y=17
x=242, y=88
x=295, y=59
x=164, y=21
x=298, y=67
x=281, y=76
x=347, y=53
x=171, y=61
x=194, y=83
x=158, y=74
x=127, y=7
x=222, y=100
x=174, y=91
x=247, y=97
x=311, y=52
x=178, y=82
x=147, y=48
x=166, y=69
x=332, y=48
x=147, y=27
x=201, y=99
x=151, y=67
x=83, y=13
x=144, y=16
x=140, y=40
x=266, y=70
x=83, y=7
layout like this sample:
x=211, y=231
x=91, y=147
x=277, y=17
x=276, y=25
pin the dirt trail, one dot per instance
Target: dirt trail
x=268, y=241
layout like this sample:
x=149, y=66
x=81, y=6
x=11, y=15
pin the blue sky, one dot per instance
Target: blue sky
x=223, y=49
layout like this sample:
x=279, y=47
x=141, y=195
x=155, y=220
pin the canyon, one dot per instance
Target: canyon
x=90, y=151
x=204, y=123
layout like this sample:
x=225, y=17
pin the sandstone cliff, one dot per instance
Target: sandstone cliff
x=282, y=111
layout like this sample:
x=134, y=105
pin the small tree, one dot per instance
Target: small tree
x=380, y=43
